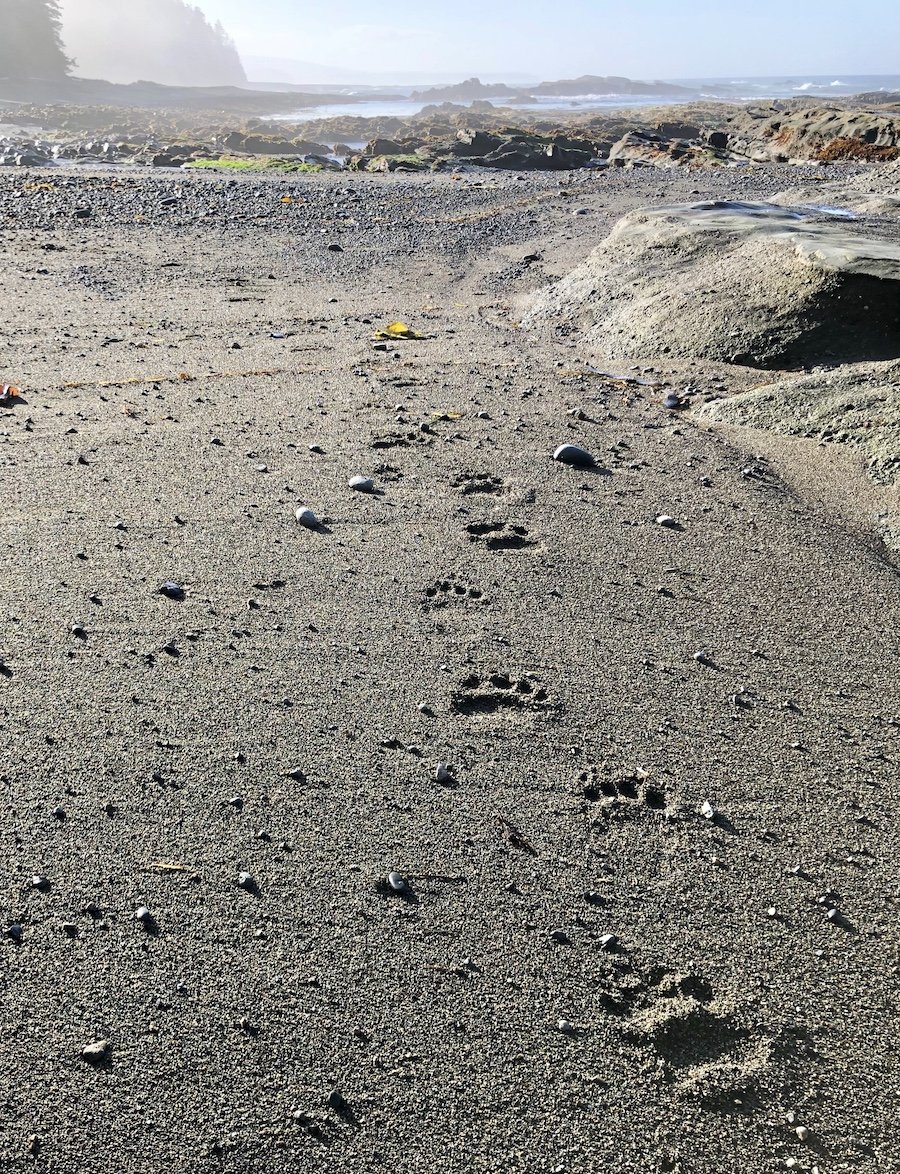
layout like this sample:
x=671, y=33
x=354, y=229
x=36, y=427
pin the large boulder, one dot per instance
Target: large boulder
x=645, y=149
x=380, y=146
x=753, y=284
x=524, y=156
x=475, y=142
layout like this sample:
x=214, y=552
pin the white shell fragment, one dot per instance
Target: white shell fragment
x=707, y=810
x=306, y=517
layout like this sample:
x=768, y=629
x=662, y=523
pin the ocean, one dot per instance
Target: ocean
x=400, y=104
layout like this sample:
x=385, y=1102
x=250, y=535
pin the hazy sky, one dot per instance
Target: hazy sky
x=564, y=38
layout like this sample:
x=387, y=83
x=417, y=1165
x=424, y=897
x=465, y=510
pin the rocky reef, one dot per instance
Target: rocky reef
x=449, y=135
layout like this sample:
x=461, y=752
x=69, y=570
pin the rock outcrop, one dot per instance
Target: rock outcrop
x=753, y=284
x=646, y=149
x=857, y=406
x=514, y=150
x=784, y=131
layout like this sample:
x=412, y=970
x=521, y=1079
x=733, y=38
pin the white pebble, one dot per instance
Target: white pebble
x=707, y=810
x=361, y=484
x=245, y=880
x=306, y=517
x=802, y=1132
x=666, y=520
x=397, y=882
x=443, y=773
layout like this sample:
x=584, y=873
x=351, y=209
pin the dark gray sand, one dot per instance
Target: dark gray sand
x=650, y=920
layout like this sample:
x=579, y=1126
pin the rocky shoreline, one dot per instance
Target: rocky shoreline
x=451, y=137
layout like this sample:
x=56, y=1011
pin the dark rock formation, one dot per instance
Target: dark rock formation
x=591, y=84
x=467, y=91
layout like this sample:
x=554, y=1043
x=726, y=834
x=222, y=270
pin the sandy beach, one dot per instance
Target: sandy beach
x=648, y=916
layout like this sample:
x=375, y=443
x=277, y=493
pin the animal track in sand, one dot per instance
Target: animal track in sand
x=598, y=786
x=387, y=473
x=500, y=535
x=399, y=439
x=498, y=692
x=469, y=483
x=704, y=1049
x=451, y=590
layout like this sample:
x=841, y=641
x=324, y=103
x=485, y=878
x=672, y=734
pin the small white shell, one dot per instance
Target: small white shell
x=666, y=520
x=707, y=810
x=361, y=484
x=306, y=517
x=397, y=882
